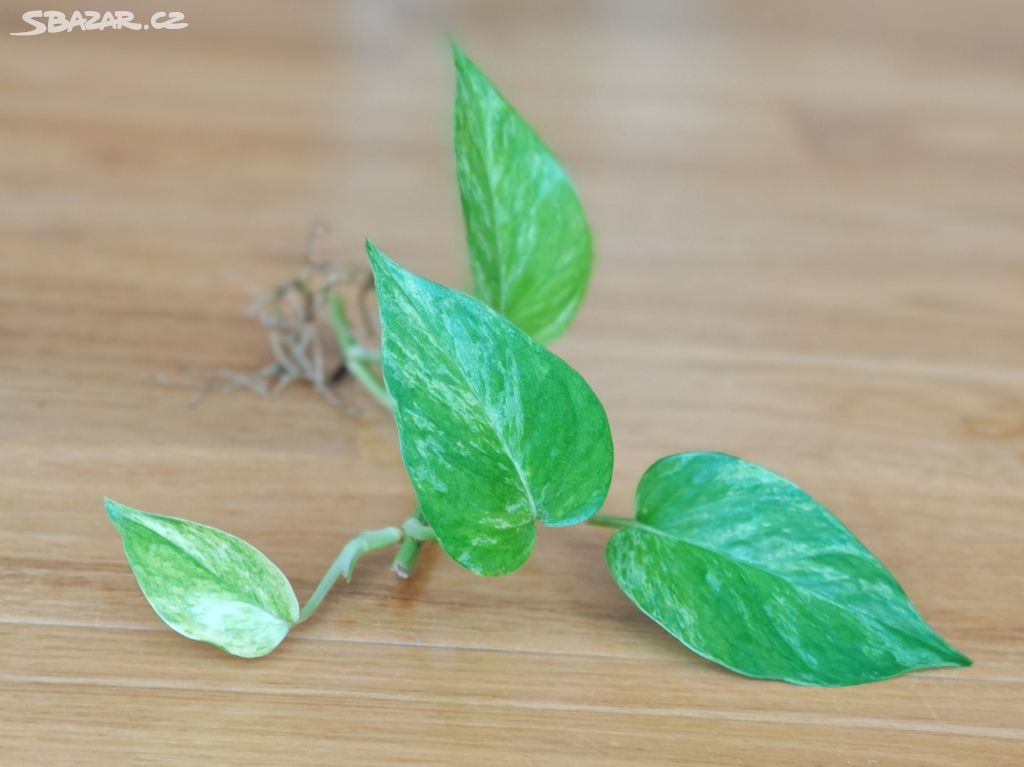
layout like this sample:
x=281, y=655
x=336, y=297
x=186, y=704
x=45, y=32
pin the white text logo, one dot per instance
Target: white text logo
x=42, y=22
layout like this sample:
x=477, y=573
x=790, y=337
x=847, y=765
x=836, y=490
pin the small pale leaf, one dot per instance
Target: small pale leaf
x=749, y=571
x=206, y=584
x=496, y=431
x=529, y=241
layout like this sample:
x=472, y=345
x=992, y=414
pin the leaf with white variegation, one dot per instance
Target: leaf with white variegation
x=749, y=571
x=206, y=584
x=496, y=432
x=529, y=241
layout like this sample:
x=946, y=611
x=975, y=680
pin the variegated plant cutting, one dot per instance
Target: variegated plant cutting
x=498, y=435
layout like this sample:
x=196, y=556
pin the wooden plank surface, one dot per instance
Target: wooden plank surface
x=810, y=222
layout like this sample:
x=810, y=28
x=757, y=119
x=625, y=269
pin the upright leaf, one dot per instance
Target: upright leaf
x=748, y=570
x=206, y=584
x=496, y=431
x=529, y=242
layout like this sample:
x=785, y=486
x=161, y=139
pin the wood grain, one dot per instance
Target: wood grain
x=810, y=225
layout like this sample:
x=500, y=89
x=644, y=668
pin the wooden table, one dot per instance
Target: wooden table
x=810, y=221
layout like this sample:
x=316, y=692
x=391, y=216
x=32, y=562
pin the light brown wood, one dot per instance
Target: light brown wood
x=810, y=220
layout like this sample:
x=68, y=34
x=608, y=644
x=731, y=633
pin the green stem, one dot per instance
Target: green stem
x=356, y=356
x=371, y=540
x=606, y=520
x=365, y=355
x=417, y=532
x=416, y=527
x=406, y=557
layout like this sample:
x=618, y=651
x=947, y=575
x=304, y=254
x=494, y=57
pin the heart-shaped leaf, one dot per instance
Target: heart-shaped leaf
x=496, y=431
x=206, y=584
x=529, y=242
x=749, y=571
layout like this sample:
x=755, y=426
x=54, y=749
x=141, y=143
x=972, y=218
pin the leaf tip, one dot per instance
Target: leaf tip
x=377, y=258
x=958, y=659
x=114, y=510
x=458, y=55
x=382, y=266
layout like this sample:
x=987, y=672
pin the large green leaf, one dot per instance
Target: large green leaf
x=206, y=584
x=496, y=431
x=748, y=570
x=529, y=242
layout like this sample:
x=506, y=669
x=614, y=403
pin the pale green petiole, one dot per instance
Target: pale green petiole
x=416, y=529
x=606, y=520
x=412, y=531
x=363, y=354
x=416, y=532
x=371, y=540
x=355, y=355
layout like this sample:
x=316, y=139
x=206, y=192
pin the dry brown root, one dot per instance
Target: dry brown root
x=296, y=316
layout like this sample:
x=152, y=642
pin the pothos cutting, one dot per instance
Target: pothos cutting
x=498, y=435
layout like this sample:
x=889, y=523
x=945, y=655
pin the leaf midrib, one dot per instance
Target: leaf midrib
x=498, y=250
x=488, y=416
x=250, y=596
x=777, y=576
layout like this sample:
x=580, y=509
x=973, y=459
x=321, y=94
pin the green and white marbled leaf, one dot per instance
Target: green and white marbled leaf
x=529, y=241
x=206, y=584
x=748, y=570
x=496, y=431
